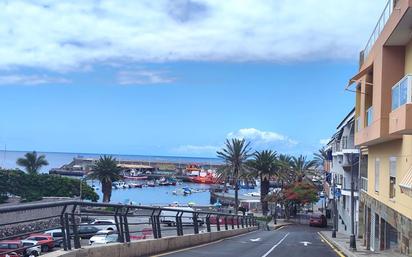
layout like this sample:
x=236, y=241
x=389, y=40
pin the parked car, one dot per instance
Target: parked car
x=318, y=220
x=213, y=220
x=34, y=250
x=103, y=224
x=144, y=234
x=87, y=231
x=46, y=241
x=104, y=237
x=169, y=217
x=11, y=245
x=57, y=236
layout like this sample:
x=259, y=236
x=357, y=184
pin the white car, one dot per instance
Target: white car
x=169, y=217
x=103, y=237
x=104, y=224
x=35, y=250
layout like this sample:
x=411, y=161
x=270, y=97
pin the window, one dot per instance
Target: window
x=392, y=177
x=377, y=173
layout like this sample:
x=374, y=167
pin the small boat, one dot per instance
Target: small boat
x=136, y=177
x=151, y=184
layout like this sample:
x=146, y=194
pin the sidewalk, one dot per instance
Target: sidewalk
x=279, y=223
x=341, y=242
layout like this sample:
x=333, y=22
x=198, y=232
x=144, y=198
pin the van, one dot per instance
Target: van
x=169, y=217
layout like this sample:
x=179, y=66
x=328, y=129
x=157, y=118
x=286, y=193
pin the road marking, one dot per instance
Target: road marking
x=255, y=239
x=279, y=228
x=276, y=245
x=198, y=246
x=339, y=253
x=305, y=243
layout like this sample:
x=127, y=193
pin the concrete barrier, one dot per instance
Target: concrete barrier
x=150, y=246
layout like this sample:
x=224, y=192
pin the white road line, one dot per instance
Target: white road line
x=276, y=245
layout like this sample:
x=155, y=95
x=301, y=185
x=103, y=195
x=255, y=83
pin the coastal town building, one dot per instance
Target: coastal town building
x=344, y=167
x=383, y=131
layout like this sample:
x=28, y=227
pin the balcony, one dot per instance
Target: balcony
x=383, y=19
x=400, y=119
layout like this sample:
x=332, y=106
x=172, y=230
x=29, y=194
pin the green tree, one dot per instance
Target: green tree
x=32, y=162
x=301, y=167
x=106, y=171
x=32, y=187
x=264, y=164
x=235, y=155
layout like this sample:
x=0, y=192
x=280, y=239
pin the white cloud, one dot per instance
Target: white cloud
x=262, y=138
x=324, y=141
x=62, y=35
x=28, y=80
x=197, y=149
x=144, y=77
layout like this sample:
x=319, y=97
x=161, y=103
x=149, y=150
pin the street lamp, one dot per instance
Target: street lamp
x=352, y=242
x=334, y=208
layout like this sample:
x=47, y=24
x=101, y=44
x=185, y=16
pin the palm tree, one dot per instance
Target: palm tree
x=284, y=169
x=264, y=163
x=301, y=167
x=32, y=163
x=320, y=157
x=235, y=154
x=106, y=171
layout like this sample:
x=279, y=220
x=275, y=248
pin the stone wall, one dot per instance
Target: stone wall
x=149, y=247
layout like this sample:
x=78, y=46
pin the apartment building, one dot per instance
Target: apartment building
x=344, y=167
x=383, y=121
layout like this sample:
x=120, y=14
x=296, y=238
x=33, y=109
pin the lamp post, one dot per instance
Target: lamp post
x=334, y=208
x=352, y=242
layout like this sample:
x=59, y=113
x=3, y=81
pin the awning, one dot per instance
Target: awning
x=358, y=76
x=406, y=183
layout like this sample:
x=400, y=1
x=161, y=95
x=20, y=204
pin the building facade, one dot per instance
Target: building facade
x=383, y=131
x=345, y=170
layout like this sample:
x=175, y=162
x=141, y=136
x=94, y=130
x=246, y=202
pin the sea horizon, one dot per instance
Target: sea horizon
x=57, y=159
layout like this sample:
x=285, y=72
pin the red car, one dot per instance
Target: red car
x=213, y=220
x=11, y=245
x=46, y=241
x=318, y=220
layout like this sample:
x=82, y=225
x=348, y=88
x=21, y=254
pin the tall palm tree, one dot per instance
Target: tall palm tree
x=320, y=157
x=264, y=163
x=301, y=167
x=32, y=162
x=284, y=169
x=235, y=154
x=106, y=171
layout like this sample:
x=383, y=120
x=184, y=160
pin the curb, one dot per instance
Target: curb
x=345, y=251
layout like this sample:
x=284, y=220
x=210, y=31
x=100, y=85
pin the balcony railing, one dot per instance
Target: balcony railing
x=402, y=92
x=369, y=116
x=383, y=19
x=364, y=184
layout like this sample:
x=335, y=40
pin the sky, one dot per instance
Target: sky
x=177, y=77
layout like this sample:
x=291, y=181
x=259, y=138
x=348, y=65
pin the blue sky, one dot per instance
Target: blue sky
x=178, y=78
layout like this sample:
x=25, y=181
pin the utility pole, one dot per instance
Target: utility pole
x=352, y=243
x=334, y=207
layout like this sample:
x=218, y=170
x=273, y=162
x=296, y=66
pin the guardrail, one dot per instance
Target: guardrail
x=116, y=222
x=383, y=19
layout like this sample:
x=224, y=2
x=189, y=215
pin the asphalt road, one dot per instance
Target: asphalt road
x=289, y=241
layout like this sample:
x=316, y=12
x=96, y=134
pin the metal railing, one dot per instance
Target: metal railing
x=383, y=19
x=402, y=92
x=125, y=223
x=364, y=184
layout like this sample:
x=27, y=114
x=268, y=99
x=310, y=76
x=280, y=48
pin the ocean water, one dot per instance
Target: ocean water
x=56, y=160
x=163, y=195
